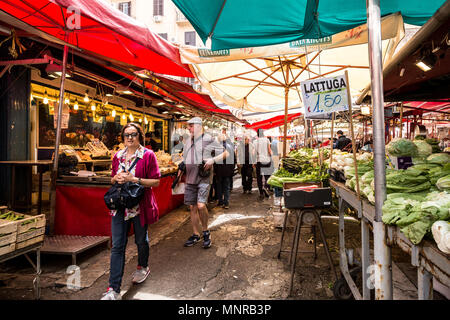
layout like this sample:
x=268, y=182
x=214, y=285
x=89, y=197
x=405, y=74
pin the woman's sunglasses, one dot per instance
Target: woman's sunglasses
x=130, y=135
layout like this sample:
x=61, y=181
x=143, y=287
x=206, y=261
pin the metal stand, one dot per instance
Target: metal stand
x=312, y=218
x=24, y=251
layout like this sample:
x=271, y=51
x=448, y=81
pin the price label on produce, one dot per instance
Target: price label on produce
x=322, y=97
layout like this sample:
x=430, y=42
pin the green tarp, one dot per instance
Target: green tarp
x=254, y=23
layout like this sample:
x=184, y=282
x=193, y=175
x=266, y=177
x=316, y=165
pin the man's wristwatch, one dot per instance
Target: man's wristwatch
x=139, y=180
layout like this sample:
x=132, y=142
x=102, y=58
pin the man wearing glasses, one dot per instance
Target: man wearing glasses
x=200, y=153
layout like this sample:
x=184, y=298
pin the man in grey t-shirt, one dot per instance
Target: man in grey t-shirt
x=199, y=148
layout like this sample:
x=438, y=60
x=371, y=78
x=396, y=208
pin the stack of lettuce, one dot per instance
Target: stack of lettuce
x=419, y=196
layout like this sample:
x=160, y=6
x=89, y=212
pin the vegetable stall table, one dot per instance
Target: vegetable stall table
x=24, y=251
x=81, y=211
x=429, y=260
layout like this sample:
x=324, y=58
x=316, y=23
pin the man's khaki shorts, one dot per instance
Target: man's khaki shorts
x=196, y=193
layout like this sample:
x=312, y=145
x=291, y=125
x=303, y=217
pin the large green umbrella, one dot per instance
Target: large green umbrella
x=253, y=23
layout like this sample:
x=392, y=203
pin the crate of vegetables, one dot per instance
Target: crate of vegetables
x=8, y=232
x=28, y=229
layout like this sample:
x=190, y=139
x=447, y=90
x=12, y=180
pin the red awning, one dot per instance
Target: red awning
x=431, y=106
x=101, y=30
x=273, y=122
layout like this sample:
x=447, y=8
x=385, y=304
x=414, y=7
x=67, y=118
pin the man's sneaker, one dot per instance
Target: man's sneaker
x=111, y=295
x=192, y=240
x=206, y=239
x=225, y=206
x=140, y=274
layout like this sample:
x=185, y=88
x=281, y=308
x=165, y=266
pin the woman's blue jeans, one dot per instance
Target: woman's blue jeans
x=119, y=233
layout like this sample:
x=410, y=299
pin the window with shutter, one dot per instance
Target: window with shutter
x=189, y=38
x=158, y=7
x=125, y=7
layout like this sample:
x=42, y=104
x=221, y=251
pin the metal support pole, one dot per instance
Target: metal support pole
x=424, y=284
x=54, y=173
x=365, y=257
x=382, y=253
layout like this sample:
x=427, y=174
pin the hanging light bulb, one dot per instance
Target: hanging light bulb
x=140, y=119
x=66, y=101
x=113, y=113
x=75, y=106
x=145, y=120
x=45, y=97
x=86, y=97
x=123, y=116
x=93, y=107
x=131, y=117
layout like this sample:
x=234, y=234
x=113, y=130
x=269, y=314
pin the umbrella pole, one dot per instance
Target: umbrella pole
x=401, y=120
x=382, y=252
x=54, y=173
x=286, y=90
x=332, y=135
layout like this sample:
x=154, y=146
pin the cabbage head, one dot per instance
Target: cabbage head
x=439, y=158
x=444, y=183
x=423, y=149
x=400, y=147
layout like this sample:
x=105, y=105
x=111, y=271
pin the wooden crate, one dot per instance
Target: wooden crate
x=30, y=234
x=30, y=222
x=8, y=238
x=7, y=249
x=29, y=242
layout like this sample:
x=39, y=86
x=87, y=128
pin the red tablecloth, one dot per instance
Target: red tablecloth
x=80, y=210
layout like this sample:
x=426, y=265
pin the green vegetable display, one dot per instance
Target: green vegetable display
x=400, y=147
x=415, y=213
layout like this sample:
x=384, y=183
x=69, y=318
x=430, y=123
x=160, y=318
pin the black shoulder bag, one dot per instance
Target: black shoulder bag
x=126, y=195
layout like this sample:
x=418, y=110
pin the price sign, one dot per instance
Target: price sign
x=324, y=96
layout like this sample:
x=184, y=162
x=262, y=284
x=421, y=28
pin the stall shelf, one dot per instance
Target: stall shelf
x=429, y=260
x=24, y=251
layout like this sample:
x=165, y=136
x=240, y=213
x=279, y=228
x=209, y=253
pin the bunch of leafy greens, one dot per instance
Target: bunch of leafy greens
x=423, y=149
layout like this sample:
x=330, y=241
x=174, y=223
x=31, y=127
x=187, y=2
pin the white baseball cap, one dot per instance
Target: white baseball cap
x=195, y=120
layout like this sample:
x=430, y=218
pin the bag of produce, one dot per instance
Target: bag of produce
x=441, y=234
x=400, y=147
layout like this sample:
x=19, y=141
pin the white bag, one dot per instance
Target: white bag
x=179, y=188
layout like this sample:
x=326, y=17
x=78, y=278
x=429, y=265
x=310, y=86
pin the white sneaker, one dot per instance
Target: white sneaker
x=111, y=295
x=140, y=274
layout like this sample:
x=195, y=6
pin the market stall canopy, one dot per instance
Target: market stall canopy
x=272, y=122
x=255, y=79
x=403, y=79
x=98, y=29
x=253, y=23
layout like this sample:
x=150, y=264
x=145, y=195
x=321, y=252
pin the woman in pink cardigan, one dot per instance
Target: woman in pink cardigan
x=137, y=164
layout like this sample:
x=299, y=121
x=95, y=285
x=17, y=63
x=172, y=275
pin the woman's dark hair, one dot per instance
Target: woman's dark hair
x=137, y=127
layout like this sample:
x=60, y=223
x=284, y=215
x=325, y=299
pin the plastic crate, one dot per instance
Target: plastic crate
x=307, y=198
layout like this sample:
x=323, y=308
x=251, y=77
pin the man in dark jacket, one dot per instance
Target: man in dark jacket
x=224, y=173
x=342, y=143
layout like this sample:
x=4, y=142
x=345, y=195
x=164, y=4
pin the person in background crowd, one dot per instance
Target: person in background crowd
x=150, y=143
x=264, y=165
x=178, y=144
x=246, y=160
x=137, y=164
x=326, y=143
x=200, y=150
x=275, y=154
x=225, y=173
x=342, y=143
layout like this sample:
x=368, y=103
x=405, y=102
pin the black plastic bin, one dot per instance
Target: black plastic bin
x=307, y=198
